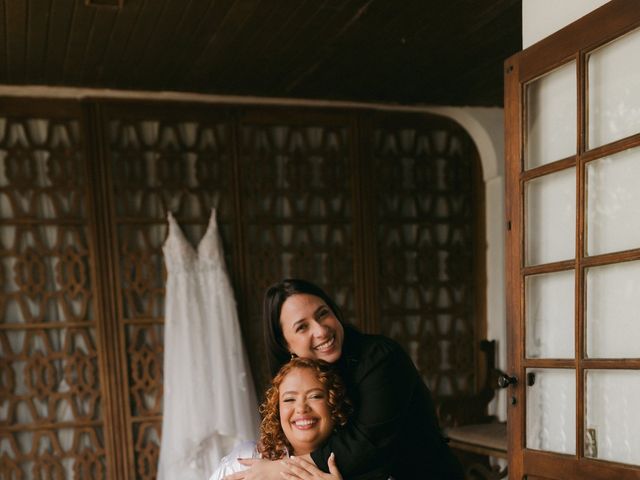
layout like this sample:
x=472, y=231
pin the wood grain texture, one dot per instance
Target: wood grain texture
x=573, y=42
x=446, y=53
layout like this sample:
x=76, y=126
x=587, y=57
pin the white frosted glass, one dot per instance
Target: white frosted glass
x=612, y=417
x=551, y=117
x=613, y=311
x=614, y=97
x=613, y=196
x=549, y=315
x=551, y=218
x=551, y=410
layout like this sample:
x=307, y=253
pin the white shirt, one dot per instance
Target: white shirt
x=229, y=464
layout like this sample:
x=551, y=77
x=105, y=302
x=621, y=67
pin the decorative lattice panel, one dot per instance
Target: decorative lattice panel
x=159, y=165
x=146, y=453
x=424, y=219
x=51, y=412
x=298, y=212
x=384, y=223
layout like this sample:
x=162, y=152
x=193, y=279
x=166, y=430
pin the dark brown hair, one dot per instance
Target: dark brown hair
x=274, y=298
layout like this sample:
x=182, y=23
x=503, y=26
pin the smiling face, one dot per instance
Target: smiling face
x=310, y=328
x=305, y=416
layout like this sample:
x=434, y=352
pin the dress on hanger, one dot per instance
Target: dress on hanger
x=209, y=399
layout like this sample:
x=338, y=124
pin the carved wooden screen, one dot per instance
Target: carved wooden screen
x=378, y=209
x=53, y=418
x=298, y=208
x=159, y=161
x=425, y=202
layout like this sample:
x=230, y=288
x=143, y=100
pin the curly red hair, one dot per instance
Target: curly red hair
x=273, y=443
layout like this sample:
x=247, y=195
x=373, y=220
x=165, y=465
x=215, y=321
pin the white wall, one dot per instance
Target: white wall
x=541, y=18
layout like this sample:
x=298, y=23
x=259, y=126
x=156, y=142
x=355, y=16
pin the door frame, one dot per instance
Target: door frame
x=572, y=42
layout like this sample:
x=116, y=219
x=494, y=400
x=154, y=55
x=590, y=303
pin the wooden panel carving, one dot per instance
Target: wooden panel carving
x=144, y=350
x=51, y=412
x=385, y=224
x=146, y=452
x=160, y=163
x=424, y=210
x=298, y=211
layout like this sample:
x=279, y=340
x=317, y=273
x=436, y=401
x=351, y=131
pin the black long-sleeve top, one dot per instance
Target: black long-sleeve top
x=393, y=430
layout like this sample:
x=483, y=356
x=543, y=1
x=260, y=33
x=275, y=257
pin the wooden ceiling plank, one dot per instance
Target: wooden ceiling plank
x=409, y=74
x=382, y=30
x=16, y=28
x=486, y=51
x=265, y=46
x=346, y=20
x=200, y=21
x=468, y=45
x=281, y=56
x=365, y=77
x=99, y=38
x=37, y=35
x=383, y=27
x=369, y=29
x=243, y=66
x=295, y=12
x=146, y=23
x=224, y=38
x=58, y=37
x=4, y=61
x=479, y=16
x=361, y=83
x=81, y=26
x=173, y=25
x=235, y=62
x=393, y=53
x=161, y=41
x=399, y=52
x=448, y=23
x=125, y=23
x=318, y=37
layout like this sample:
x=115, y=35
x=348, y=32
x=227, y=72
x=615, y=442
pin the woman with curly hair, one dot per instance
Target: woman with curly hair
x=393, y=431
x=305, y=403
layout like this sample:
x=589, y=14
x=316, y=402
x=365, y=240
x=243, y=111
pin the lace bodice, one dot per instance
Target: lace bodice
x=181, y=256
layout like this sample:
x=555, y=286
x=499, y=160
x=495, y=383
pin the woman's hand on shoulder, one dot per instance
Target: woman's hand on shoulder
x=301, y=469
x=259, y=469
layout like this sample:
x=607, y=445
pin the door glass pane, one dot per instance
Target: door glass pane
x=612, y=306
x=612, y=417
x=551, y=117
x=614, y=98
x=613, y=196
x=550, y=315
x=551, y=410
x=551, y=217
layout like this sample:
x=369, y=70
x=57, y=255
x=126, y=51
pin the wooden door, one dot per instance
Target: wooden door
x=573, y=250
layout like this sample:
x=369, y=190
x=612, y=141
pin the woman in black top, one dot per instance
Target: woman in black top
x=393, y=431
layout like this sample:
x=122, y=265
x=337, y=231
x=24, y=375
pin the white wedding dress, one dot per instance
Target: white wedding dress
x=209, y=399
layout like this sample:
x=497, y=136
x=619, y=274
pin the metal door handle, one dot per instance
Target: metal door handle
x=505, y=380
